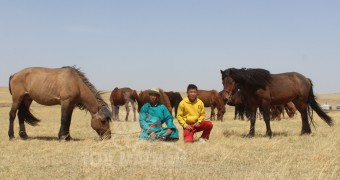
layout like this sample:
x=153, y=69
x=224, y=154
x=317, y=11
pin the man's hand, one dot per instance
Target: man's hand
x=153, y=134
x=168, y=131
x=197, y=124
x=189, y=128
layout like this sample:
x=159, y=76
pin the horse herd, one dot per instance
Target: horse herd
x=246, y=89
x=124, y=96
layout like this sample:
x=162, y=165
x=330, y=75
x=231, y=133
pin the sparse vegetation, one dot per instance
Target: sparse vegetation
x=228, y=155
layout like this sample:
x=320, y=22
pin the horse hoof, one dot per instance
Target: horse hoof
x=305, y=133
x=269, y=134
x=23, y=135
x=250, y=135
x=65, y=138
x=11, y=138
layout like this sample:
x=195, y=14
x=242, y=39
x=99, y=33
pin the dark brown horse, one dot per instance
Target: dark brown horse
x=65, y=86
x=143, y=97
x=123, y=96
x=213, y=100
x=175, y=98
x=263, y=89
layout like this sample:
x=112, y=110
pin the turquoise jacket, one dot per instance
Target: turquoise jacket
x=157, y=114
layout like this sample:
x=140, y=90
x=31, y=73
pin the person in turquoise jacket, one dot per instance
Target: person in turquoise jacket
x=152, y=116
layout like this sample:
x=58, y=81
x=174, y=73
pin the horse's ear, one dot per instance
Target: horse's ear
x=223, y=74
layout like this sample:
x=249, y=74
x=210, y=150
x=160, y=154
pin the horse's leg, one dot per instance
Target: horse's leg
x=305, y=124
x=16, y=101
x=241, y=115
x=252, y=124
x=302, y=108
x=127, y=110
x=266, y=117
x=12, y=114
x=235, y=113
x=66, y=114
x=212, y=114
x=134, y=110
x=252, y=118
x=113, y=111
x=26, y=103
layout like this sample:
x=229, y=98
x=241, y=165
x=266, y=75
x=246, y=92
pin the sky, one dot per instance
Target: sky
x=168, y=44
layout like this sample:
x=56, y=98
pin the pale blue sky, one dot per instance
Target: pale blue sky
x=168, y=44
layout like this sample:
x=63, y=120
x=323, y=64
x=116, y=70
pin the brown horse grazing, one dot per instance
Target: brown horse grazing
x=290, y=109
x=143, y=97
x=263, y=89
x=123, y=96
x=175, y=98
x=212, y=99
x=65, y=86
x=276, y=112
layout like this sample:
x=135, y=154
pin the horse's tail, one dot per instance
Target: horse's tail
x=9, y=84
x=316, y=107
x=25, y=113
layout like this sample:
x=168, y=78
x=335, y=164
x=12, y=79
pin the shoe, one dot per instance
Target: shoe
x=202, y=140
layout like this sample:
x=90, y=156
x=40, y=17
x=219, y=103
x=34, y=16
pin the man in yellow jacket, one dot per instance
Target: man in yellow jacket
x=191, y=114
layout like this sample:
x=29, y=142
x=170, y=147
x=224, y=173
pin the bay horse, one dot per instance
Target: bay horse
x=263, y=89
x=66, y=86
x=175, y=98
x=213, y=100
x=143, y=97
x=123, y=96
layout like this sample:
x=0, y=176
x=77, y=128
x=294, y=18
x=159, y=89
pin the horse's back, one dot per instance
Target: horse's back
x=207, y=96
x=174, y=97
x=288, y=86
x=143, y=97
x=45, y=85
x=117, y=95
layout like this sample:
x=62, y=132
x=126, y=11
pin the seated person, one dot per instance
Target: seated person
x=191, y=115
x=151, y=117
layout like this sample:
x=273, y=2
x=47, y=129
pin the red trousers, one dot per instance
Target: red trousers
x=205, y=126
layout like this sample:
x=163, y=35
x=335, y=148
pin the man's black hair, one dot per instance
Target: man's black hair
x=191, y=86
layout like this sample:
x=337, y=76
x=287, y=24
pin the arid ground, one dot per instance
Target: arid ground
x=228, y=155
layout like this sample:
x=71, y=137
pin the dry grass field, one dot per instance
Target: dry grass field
x=228, y=155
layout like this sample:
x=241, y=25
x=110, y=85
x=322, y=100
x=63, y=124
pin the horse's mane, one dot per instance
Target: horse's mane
x=255, y=78
x=93, y=89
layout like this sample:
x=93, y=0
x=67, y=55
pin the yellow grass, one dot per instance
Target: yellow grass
x=228, y=155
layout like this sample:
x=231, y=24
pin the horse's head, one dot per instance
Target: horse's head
x=101, y=123
x=237, y=98
x=290, y=109
x=229, y=85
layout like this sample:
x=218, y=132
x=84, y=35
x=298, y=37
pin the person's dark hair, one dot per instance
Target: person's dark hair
x=191, y=86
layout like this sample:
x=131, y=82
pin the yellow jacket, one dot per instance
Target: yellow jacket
x=190, y=112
